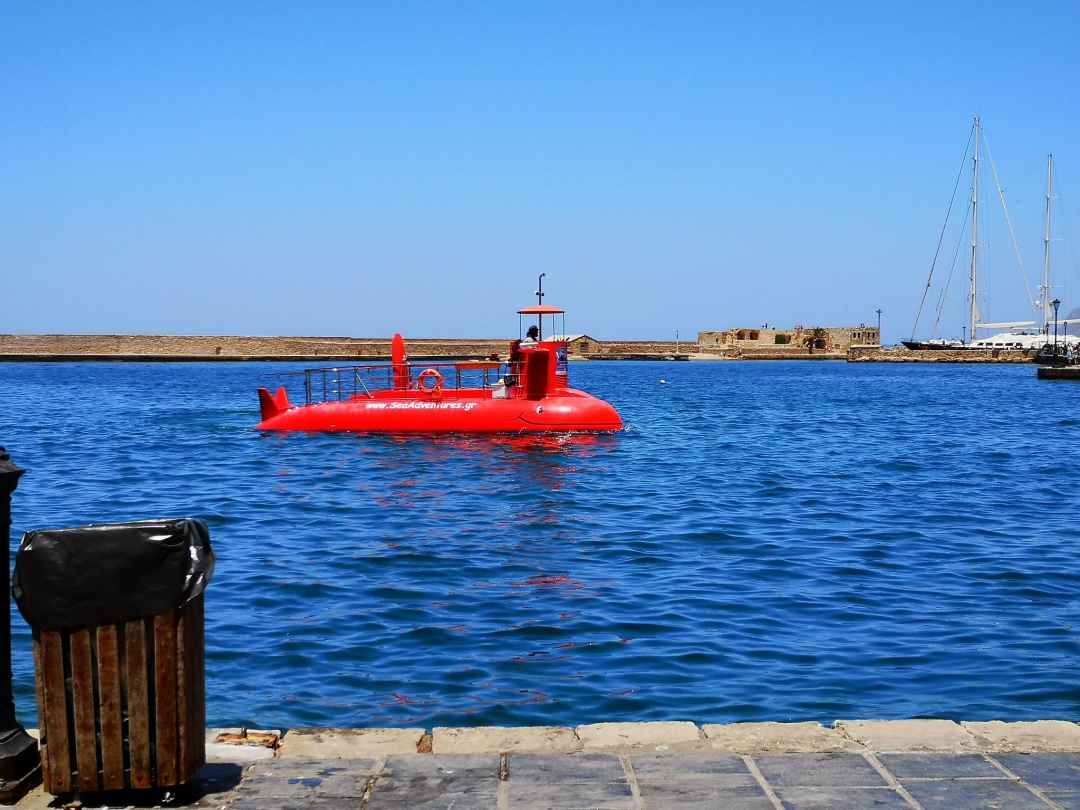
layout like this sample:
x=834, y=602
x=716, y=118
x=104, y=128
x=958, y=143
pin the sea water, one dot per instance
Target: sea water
x=765, y=541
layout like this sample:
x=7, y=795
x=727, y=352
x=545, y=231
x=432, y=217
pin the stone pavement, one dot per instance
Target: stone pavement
x=644, y=766
x=651, y=781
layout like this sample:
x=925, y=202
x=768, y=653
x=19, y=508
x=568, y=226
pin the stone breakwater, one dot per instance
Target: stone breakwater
x=917, y=764
x=900, y=354
x=231, y=347
x=243, y=348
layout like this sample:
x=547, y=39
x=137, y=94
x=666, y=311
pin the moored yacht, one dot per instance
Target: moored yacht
x=932, y=344
x=1014, y=335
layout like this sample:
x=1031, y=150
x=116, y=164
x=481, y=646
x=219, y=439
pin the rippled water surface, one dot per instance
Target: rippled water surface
x=765, y=541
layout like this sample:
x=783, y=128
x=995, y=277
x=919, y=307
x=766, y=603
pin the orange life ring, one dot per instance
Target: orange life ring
x=430, y=374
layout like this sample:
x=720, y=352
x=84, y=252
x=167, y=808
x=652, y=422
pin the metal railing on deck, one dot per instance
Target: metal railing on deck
x=350, y=382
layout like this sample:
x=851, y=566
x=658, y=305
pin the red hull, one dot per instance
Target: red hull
x=564, y=411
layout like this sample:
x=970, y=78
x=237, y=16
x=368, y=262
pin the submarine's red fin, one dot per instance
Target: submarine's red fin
x=400, y=360
x=273, y=405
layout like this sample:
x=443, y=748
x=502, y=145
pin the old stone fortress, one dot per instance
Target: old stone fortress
x=796, y=341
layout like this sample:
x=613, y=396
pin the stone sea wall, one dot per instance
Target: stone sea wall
x=231, y=347
x=658, y=347
x=237, y=347
x=785, y=353
x=899, y=354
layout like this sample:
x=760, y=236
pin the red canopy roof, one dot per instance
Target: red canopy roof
x=541, y=309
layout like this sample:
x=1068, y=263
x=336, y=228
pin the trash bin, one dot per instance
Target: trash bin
x=117, y=619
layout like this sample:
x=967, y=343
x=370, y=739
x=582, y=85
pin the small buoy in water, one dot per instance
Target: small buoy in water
x=663, y=381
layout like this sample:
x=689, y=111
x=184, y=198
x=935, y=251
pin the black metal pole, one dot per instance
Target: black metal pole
x=540, y=302
x=1057, y=303
x=20, y=766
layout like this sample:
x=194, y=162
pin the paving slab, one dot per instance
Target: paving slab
x=974, y=794
x=909, y=735
x=1031, y=737
x=1049, y=772
x=305, y=803
x=726, y=770
x=818, y=770
x=623, y=736
x=215, y=782
x=300, y=779
x=493, y=739
x=694, y=781
x=775, y=738
x=349, y=743
x=430, y=781
x=835, y=798
x=568, y=782
x=694, y=795
x=939, y=766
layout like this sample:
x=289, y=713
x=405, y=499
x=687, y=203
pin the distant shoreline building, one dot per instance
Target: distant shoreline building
x=580, y=344
x=796, y=340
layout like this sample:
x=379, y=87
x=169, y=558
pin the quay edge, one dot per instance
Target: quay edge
x=928, y=735
x=850, y=763
x=913, y=736
x=923, y=735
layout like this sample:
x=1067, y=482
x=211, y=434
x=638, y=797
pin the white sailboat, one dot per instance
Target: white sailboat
x=1021, y=335
x=1015, y=335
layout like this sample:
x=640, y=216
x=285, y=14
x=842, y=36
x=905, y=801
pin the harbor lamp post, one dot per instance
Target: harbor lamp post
x=1057, y=303
x=878, y=311
x=19, y=762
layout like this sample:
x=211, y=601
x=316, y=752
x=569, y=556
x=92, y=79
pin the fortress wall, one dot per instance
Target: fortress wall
x=644, y=347
x=797, y=338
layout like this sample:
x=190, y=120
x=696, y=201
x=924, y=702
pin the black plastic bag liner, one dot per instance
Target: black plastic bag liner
x=92, y=575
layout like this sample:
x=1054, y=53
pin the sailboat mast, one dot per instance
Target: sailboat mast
x=974, y=309
x=1046, y=242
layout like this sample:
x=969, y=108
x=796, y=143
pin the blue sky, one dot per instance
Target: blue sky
x=353, y=169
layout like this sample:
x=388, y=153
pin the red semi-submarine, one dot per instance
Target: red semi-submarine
x=528, y=394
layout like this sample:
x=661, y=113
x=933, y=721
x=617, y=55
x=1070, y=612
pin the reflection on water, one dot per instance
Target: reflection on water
x=765, y=541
